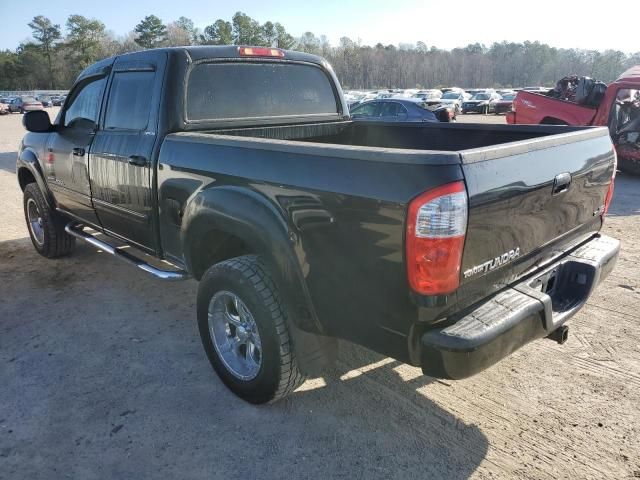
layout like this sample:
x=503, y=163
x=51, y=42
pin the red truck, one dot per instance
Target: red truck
x=619, y=109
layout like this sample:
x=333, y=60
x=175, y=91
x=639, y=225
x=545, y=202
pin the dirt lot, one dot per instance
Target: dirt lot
x=102, y=376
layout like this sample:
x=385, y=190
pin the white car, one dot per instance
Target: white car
x=431, y=94
x=453, y=99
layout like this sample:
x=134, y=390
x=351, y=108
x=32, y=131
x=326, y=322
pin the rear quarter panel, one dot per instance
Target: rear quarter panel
x=344, y=219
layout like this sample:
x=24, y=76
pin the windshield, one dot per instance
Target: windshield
x=222, y=90
x=508, y=96
x=451, y=95
x=481, y=96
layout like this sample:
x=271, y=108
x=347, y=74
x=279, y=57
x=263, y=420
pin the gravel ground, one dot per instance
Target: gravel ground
x=102, y=376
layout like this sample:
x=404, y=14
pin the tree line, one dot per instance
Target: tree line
x=56, y=55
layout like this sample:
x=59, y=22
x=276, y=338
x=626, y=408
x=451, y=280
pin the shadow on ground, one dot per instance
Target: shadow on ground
x=104, y=376
x=626, y=195
x=8, y=161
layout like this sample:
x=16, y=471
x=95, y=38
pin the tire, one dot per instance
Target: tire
x=48, y=236
x=247, y=279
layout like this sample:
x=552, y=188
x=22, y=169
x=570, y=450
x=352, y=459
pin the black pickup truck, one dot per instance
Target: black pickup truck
x=445, y=246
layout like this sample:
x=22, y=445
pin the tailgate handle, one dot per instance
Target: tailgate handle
x=561, y=183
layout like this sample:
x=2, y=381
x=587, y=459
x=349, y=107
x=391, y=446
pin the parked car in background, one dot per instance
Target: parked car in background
x=474, y=91
x=452, y=89
x=453, y=99
x=432, y=94
x=481, y=103
x=4, y=107
x=45, y=101
x=536, y=89
x=505, y=104
x=24, y=104
x=57, y=100
x=399, y=110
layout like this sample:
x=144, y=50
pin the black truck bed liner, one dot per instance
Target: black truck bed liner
x=427, y=143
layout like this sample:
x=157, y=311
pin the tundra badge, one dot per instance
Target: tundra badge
x=494, y=263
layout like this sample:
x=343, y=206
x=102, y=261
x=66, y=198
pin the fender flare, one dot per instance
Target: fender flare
x=252, y=218
x=28, y=160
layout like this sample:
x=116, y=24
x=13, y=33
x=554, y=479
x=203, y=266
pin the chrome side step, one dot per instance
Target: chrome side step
x=77, y=230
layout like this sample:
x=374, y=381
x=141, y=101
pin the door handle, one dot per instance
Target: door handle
x=561, y=183
x=138, y=160
x=78, y=151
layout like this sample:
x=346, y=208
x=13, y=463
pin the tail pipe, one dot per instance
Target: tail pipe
x=560, y=334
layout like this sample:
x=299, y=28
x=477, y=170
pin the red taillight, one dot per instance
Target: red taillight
x=436, y=227
x=260, y=52
x=609, y=196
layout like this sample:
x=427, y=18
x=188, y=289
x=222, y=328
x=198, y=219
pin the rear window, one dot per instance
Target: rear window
x=219, y=91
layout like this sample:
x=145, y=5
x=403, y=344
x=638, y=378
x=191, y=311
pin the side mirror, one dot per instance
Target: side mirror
x=37, y=121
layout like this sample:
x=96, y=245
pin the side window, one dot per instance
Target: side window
x=85, y=102
x=129, y=102
x=392, y=109
x=367, y=109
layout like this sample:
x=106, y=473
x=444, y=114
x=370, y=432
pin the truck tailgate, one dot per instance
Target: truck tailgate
x=529, y=202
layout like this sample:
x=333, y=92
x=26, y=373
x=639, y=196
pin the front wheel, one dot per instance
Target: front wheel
x=242, y=323
x=45, y=225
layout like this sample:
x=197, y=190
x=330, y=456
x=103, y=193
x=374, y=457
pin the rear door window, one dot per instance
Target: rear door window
x=129, y=101
x=219, y=91
x=392, y=109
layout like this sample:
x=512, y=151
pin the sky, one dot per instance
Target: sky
x=445, y=24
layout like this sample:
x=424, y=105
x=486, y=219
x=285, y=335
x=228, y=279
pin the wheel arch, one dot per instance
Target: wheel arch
x=28, y=170
x=552, y=121
x=228, y=221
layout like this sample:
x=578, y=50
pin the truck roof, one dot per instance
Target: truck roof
x=631, y=75
x=203, y=52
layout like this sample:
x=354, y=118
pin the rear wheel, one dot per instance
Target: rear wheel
x=45, y=225
x=242, y=323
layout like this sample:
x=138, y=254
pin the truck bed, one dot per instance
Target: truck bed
x=442, y=137
x=343, y=189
